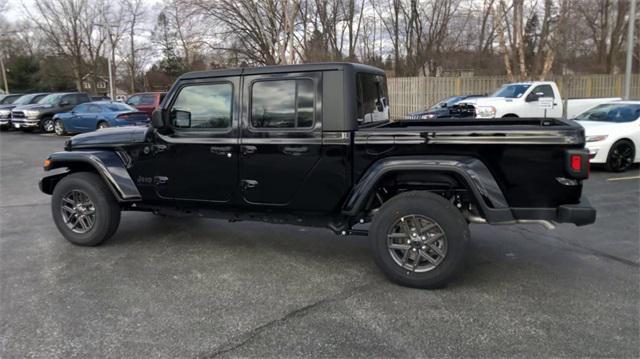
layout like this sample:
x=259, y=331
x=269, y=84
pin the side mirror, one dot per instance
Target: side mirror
x=158, y=118
x=182, y=119
x=64, y=103
x=443, y=105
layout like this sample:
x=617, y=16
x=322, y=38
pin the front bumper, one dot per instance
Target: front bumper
x=25, y=123
x=5, y=121
x=579, y=214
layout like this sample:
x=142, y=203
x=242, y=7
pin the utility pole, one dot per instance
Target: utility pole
x=111, y=78
x=4, y=75
x=630, y=44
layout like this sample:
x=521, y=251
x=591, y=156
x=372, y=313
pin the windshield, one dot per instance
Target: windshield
x=25, y=100
x=50, y=99
x=611, y=113
x=511, y=91
x=120, y=107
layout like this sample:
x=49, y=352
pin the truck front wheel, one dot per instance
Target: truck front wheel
x=84, y=209
x=419, y=239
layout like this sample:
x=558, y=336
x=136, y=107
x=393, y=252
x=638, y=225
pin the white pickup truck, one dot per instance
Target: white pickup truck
x=525, y=99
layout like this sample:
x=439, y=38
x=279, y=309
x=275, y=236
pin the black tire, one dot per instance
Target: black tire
x=102, y=124
x=47, y=125
x=620, y=157
x=438, y=210
x=107, y=209
x=59, y=128
x=510, y=115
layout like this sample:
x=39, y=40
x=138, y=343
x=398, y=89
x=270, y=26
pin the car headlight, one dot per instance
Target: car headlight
x=428, y=115
x=31, y=113
x=485, y=111
x=5, y=113
x=596, y=138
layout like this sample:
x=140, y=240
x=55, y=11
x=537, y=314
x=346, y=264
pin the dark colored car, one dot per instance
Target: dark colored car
x=312, y=145
x=146, y=101
x=91, y=116
x=442, y=109
x=40, y=115
x=5, y=110
x=7, y=99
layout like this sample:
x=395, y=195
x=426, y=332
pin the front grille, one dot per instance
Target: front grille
x=17, y=114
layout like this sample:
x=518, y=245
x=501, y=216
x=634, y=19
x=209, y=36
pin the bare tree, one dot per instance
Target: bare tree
x=60, y=22
x=135, y=11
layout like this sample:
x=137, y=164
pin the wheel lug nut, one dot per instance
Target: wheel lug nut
x=424, y=247
x=408, y=242
x=423, y=238
x=414, y=249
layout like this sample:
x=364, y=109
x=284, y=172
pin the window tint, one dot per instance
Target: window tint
x=80, y=108
x=95, y=109
x=208, y=105
x=133, y=100
x=282, y=104
x=373, y=103
x=545, y=89
x=72, y=99
x=611, y=113
x=147, y=100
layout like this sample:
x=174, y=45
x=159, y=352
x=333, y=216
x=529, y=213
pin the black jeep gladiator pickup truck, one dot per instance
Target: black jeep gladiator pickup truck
x=313, y=145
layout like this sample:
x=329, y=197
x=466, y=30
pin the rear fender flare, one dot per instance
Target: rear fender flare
x=108, y=164
x=471, y=171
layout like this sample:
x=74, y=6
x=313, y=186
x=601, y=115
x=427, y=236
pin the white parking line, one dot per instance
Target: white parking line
x=623, y=178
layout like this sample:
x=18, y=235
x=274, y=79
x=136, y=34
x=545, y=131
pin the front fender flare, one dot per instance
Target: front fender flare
x=472, y=171
x=108, y=164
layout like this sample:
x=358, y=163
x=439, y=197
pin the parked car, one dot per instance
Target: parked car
x=100, y=98
x=5, y=110
x=40, y=115
x=91, y=116
x=7, y=99
x=612, y=133
x=301, y=144
x=522, y=100
x=147, y=101
x=442, y=109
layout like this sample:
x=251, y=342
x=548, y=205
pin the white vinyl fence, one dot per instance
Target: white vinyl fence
x=408, y=94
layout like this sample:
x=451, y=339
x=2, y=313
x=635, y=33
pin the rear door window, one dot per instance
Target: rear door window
x=282, y=104
x=373, y=103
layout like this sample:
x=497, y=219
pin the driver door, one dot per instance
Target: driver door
x=198, y=160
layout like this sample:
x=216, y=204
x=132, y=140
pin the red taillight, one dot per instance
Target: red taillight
x=576, y=163
x=124, y=117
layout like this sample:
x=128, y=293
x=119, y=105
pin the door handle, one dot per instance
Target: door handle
x=295, y=150
x=248, y=184
x=221, y=150
x=247, y=150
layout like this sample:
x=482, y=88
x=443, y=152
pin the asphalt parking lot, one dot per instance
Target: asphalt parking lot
x=190, y=287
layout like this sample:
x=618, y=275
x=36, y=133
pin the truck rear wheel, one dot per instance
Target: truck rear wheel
x=84, y=209
x=419, y=239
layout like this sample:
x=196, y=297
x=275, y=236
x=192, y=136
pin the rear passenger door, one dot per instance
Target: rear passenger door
x=281, y=136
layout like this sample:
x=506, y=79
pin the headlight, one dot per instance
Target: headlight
x=428, y=115
x=485, y=111
x=596, y=138
x=5, y=113
x=31, y=113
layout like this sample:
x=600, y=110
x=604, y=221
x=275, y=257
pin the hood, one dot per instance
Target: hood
x=35, y=106
x=599, y=127
x=437, y=112
x=7, y=107
x=487, y=101
x=112, y=136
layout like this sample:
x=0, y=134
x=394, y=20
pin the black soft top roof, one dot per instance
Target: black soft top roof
x=322, y=66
